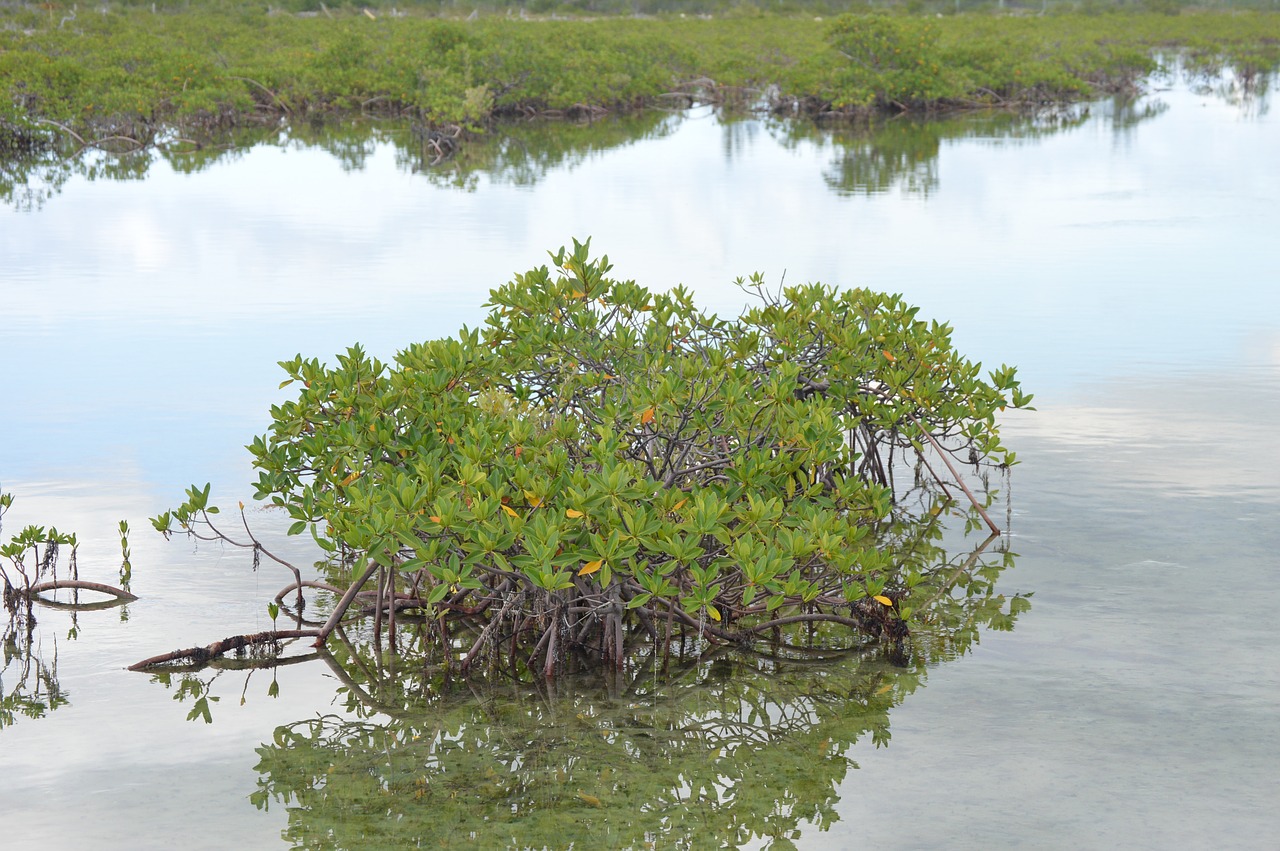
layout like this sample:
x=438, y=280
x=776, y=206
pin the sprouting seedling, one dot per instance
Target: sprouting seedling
x=6, y=500
x=125, y=567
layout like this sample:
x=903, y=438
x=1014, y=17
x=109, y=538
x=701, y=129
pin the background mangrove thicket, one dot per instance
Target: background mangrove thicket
x=130, y=74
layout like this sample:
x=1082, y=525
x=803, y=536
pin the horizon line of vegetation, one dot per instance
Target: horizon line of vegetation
x=130, y=77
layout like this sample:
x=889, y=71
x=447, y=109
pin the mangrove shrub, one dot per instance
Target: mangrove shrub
x=600, y=465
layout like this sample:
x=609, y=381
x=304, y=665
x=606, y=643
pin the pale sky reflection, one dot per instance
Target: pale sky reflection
x=1199, y=434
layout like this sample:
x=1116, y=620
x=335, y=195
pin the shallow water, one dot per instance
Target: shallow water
x=1124, y=259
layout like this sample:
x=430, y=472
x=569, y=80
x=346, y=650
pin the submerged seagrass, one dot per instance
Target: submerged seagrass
x=602, y=468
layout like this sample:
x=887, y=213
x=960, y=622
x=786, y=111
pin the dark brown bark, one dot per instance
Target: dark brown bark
x=200, y=655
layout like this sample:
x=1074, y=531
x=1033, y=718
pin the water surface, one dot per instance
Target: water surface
x=1123, y=257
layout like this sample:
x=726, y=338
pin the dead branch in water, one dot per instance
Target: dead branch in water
x=201, y=655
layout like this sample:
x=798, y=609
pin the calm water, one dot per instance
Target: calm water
x=1125, y=258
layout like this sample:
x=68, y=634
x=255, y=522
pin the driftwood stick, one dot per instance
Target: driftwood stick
x=217, y=648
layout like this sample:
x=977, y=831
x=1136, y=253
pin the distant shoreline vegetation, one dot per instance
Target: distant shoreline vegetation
x=121, y=77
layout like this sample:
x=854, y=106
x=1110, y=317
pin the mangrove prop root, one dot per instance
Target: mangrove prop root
x=345, y=603
x=973, y=500
x=81, y=585
x=200, y=655
x=306, y=583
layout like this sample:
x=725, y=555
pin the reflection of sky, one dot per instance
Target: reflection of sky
x=147, y=317
x=149, y=313
x=1206, y=434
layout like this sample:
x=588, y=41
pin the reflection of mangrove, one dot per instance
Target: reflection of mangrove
x=33, y=557
x=519, y=153
x=199, y=690
x=867, y=158
x=28, y=683
x=1244, y=85
x=731, y=744
x=31, y=177
x=879, y=157
x=1123, y=115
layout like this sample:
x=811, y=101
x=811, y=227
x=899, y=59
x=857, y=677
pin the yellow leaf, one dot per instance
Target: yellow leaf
x=242, y=505
x=884, y=688
x=880, y=598
x=590, y=799
x=349, y=479
x=510, y=510
x=647, y=416
x=590, y=567
x=572, y=512
x=714, y=612
x=889, y=357
x=434, y=518
x=533, y=498
x=679, y=505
